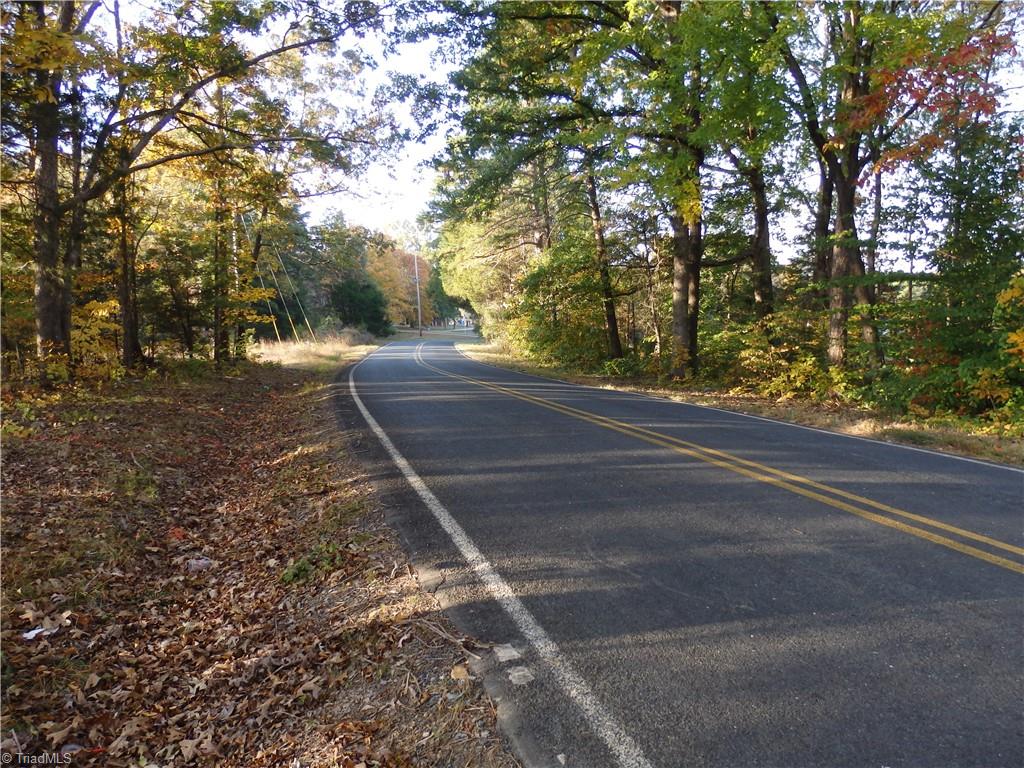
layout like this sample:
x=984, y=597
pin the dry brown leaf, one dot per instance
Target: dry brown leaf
x=198, y=666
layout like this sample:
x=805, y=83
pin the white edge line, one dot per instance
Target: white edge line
x=626, y=751
x=662, y=398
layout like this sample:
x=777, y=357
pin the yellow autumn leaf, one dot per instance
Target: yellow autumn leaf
x=1015, y=343
x=991, y=385
x=1014, y=292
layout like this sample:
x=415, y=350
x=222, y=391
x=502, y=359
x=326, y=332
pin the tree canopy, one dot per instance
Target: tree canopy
x=797, y=198
x=781, y=189
x=156, y=160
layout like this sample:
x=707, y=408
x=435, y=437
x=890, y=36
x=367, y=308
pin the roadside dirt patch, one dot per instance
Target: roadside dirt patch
x=194, y=573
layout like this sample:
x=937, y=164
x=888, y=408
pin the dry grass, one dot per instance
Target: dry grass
x=323, y=357
x=953, y=436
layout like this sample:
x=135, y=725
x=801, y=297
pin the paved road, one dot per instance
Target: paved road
x=692, y=587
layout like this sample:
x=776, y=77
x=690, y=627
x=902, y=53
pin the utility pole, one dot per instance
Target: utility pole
x=419, y=309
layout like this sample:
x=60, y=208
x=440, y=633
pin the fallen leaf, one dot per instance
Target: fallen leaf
x=56, y=737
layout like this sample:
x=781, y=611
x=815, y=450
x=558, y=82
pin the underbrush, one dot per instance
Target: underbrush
x=937, y=365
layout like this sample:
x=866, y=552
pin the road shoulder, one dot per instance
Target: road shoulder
x=215, y=582
x=832, y=417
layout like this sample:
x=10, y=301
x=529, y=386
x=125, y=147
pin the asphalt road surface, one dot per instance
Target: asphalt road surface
x=670, y=585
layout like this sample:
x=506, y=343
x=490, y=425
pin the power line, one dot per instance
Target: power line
x=280, y=293
x=295, y=333
x=270, y=309
x=295, y=293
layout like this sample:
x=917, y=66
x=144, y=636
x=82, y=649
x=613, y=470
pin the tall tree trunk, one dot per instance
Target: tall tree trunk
x=693, y=296
x=761, y=257
x=687, y=240
x=871, y=253
x=53, y=335
x=686, y=250
x=131, y=348
x=849, y=164
x=838, y=306
x=604, y=269
x=822, y=230
x=221, y=349
x=52, y=277
x=652, y=300
x=220, y=282
x=847, y=262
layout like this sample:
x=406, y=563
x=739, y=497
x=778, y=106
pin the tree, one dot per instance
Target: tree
x=358, y=301
x=111, y=102
x=884, y=63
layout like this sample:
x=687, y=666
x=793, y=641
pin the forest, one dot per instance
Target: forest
x=797, y=199
x=814, y=200
x=156, y=161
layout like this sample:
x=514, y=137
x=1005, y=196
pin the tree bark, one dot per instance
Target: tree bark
x=838, y=306
x=52, y=277
x=131, y=348
x=761, y=256
x=76, y=220
x=220, y=283
x=871, y=254
x=221, y=348
x=604, y=269
x=822, y=230
x=847, y=262
x=652, y=299
x=686, y=253
x=52, y=333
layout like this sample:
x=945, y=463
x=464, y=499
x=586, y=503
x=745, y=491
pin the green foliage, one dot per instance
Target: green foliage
x=445, y=307
x=357, y=301
x=627, y=366
x=559, y=315
x=324, y=558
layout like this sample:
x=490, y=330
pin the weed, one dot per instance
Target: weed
x=325, y=558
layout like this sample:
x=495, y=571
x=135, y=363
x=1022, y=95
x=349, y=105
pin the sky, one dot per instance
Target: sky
x=396, y=189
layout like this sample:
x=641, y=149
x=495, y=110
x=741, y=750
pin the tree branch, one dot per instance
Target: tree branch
x=807, y=106
x=98, y=186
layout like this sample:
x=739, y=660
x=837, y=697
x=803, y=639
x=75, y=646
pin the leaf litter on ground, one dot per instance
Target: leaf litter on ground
x=195, y=573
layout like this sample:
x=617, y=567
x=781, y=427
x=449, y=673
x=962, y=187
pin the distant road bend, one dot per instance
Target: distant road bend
x=684, y=586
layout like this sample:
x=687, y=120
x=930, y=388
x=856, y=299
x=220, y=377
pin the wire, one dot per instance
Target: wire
x=280, y=293
x=295, y=293
x=270, y=309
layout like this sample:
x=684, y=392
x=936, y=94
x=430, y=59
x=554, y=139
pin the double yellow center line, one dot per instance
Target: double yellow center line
x=811, y=489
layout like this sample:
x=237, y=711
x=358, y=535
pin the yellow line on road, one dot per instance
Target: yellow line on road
x=770, y=475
